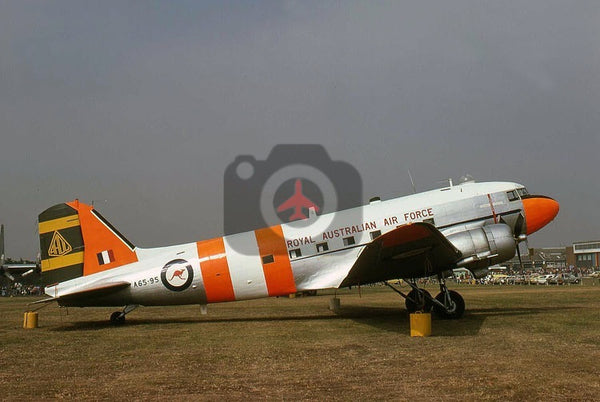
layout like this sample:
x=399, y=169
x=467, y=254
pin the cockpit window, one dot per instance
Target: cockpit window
x=514, y=195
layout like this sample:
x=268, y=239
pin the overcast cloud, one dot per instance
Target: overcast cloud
x=140, y=106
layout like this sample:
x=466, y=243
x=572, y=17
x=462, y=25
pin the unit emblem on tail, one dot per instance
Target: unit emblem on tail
x=59, y=246
x=177, y=275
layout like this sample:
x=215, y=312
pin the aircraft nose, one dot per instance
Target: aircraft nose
x=539, y=211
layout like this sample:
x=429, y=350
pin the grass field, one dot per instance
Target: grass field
x=514, y=343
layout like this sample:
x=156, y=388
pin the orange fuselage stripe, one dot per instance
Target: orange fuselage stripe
x=215, y=271
x=278, y=274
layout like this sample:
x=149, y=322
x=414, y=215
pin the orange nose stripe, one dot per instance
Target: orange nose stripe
x=539, y=211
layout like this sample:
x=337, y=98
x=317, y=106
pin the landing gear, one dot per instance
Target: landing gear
x=449, y=304
x=118, y=317
x=418, y=300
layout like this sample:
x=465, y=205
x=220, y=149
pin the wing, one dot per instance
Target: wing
x=413, y=250
x=18, y=268
x=9, y=270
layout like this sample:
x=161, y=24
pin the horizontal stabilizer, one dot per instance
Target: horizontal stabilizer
x=91, y=292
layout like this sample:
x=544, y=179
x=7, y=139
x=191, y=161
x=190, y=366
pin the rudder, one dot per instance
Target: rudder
x=75, y=240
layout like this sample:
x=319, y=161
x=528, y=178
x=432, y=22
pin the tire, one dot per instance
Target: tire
x=459, y=306
x=412, y=307
x=117, y=318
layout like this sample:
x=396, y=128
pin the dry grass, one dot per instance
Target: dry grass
x=514, y=343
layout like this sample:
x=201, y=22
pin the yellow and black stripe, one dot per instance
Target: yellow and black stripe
x=61, y=244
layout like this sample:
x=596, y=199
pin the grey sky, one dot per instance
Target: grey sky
x=144, y=104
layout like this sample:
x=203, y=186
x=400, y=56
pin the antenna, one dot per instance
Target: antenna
x=412, y=182
x=448, y=180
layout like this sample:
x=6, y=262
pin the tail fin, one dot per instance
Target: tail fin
x=75, y=240
x=2, y=244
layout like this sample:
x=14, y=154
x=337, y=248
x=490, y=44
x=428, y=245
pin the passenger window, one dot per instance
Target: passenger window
x=348, y=241
x=267, y=259
x=321, y=247
x=295, y=253
x=375, y=234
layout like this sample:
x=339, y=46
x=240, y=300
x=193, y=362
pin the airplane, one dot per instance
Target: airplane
x=297, y=201
x=87, y=262
x=11, y=269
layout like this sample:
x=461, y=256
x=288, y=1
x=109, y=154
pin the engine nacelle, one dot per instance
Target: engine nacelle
x=483, y=247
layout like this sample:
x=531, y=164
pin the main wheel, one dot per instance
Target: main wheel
x=420, y=303
x=117, y=318
x=455, y=311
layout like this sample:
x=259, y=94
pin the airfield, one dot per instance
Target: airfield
x=514, y=343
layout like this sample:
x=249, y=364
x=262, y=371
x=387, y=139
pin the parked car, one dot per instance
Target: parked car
x=499, y=279
x=562, y=279
x=543, y=279
x=518, y=280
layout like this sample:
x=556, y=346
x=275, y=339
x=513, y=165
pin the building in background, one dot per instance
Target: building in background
x=581, y=257
x=546, y=259
x=586, y=254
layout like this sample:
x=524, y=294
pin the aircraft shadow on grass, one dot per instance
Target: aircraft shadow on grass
x=390, y=319
x=394, y=320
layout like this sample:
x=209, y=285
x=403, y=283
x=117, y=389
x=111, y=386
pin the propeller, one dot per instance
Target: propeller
x=8, y=275
x=518, y=240
x=520, y=237
x=517, y=223
x=20, y=269
x=4, y=270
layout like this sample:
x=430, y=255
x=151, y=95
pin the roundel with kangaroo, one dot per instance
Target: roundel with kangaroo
x=177, y=275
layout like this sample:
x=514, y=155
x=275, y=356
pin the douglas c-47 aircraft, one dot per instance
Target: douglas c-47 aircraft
x=87, y=262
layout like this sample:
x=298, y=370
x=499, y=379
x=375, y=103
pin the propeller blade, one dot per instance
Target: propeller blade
x=520, y=259
x=8, y=275
x=27, y=273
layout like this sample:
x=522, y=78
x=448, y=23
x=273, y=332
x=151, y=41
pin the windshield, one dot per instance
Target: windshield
x=517, y=194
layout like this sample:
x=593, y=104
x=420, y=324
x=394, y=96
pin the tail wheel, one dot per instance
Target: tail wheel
x=455, y=310
x=422, y=302
x=117, y=318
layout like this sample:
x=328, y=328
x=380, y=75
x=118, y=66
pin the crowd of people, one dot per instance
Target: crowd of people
x=18, y=289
